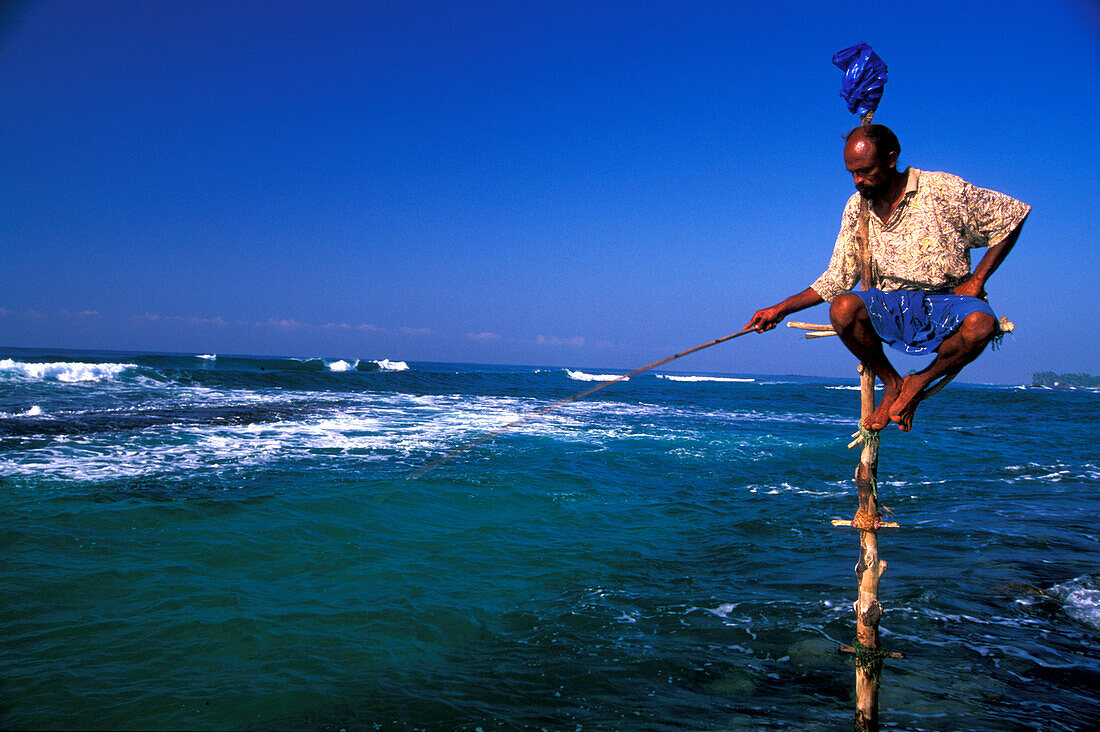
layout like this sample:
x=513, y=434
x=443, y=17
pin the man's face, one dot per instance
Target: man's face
x=870, y=174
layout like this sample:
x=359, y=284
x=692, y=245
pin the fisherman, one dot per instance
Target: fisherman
x=923, y=298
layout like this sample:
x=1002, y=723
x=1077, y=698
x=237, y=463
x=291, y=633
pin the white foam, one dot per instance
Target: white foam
x=840, y=489
x=341, y=365
x=1081, y=598
x=692, y=379
x=207, y=356
x=364, y=426
x=35, y=411
x=1055, y=473
x=66, y=371
x=388, y=365
x=582, y=376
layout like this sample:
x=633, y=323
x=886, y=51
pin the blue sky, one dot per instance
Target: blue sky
x=561, y=183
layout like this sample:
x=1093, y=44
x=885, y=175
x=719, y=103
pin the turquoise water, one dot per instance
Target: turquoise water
x=226, y=543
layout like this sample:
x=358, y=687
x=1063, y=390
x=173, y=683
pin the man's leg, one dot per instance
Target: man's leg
x=956, y=351
x=853, y=324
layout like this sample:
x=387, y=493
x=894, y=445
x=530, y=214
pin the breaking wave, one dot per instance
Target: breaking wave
x=582, y=376
x=693, y=379
x=69, y=372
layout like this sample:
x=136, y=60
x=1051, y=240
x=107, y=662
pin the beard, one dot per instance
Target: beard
x=872, y=193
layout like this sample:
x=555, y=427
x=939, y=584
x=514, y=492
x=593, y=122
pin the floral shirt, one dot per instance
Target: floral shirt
x=926, y=243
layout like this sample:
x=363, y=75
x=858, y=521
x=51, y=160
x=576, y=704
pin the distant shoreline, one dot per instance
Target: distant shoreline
x=1065, y=381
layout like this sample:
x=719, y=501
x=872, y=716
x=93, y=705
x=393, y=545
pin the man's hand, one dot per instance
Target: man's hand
x=766, y=319
x=973, y=287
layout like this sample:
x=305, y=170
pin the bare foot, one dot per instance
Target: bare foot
x=905, y=406
x=880, y=418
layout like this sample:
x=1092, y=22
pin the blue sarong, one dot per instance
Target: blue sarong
x=917, y=322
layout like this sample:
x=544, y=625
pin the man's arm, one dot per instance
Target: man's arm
x=768, y=318
x=975, y=284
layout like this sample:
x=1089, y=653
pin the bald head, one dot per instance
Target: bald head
x=880, y=136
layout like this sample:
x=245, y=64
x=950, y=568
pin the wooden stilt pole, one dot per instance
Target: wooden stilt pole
x=870, y=568
x=868, y=651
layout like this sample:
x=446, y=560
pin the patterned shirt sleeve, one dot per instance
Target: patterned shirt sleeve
x=843, y=272
x=988, y=216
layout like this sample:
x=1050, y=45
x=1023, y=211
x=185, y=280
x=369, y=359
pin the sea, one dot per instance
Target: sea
x=219, y=542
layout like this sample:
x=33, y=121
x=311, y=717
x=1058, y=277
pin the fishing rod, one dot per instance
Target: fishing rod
x=483, y=438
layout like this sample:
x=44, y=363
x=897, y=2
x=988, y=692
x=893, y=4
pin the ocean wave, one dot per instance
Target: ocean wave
x=693, y=379
x=35, y=411
x=340, y=366
x=65, y=371
x=387, y=365
x=209, y=431
x=582, y=376
x=166, y=374
x=164, y=445
x=840, y=489
x=275, y=363
x=1051, y=473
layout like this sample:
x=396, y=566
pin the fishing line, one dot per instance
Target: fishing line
x=485, y=437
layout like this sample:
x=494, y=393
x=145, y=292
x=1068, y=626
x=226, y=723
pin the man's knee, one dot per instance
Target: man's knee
x=845, y=310
x=979, y=328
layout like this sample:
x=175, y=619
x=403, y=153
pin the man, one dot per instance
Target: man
x=921, y=227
